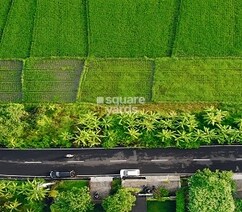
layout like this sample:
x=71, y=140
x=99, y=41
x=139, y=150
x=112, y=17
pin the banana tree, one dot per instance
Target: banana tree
x=166, y=137
x=33, y=191
x=214, y=116
x=87, y=138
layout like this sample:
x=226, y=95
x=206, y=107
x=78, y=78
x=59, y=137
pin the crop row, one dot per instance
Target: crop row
x=160, y=80
x=117, y=28
x=4, y=9
x=17, y=34
x=60, y=29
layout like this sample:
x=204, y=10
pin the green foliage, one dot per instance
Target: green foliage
x=75, y=199
x=131, y=28
x=60, y=29
x=196, y=80
x=211, y=191
x=51, y=80
x=181, y=200
x=116, y=185
x=161, y=192
x=116, y=78
x=22, y=195
x=210, y=34
x=4, y=9
x=123, y=201
x=17, y=34
x=238, y=205
x=10, y=81
x=74, y=125
x=161, y=206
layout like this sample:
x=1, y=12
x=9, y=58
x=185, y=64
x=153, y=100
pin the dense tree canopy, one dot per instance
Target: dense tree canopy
x=123, y=201
x=76, y=125
x=75, y=199
x=211, y=191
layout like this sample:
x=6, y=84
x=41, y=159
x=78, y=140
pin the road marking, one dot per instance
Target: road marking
x=31, y=162
x=76, y=161
x=238, y=158
x=117, y=161
x=200, y=159
x=160, y=160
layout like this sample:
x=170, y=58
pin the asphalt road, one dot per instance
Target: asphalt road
x=92, y=162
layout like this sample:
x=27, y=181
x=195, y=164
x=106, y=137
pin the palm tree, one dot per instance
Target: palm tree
x=34, y=191
x=214, y=116
x=238, y=121
x=209, y=135
x=128, y=120
x=166, y=123
x=133, y=134
x=12, y=205
x=186, y=121
x=184, y=139
x=87, y=138
x=166, y=137
x=89, y=120
x=226, y=134
x=107, y=122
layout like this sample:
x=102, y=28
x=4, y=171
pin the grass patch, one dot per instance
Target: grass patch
x=66, y=185
x=10, y=81
x=4, y=9
x=161, y=206
x=131, y=28
x=206, y=28
x=116, y=78
x=200, y=80
x=60, y=29
x=51, y=80
x=238, y=26
x=17, y=34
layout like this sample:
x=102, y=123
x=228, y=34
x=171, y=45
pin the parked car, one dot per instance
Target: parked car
x=129, y=173
x=58, y=174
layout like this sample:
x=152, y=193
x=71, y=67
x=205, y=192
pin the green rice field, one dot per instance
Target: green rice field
x=162, y=50
x=51, y=80
x=10, y=81
x=207, y=28
x=60, y=29
x=195, y=80
x=17, y=34
x=4, y=9
x=113, y=78
x=131, y=28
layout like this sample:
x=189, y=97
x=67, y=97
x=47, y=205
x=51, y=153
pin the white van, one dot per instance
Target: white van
x=129, y=173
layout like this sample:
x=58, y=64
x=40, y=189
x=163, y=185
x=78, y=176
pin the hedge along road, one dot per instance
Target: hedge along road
x=93, y=162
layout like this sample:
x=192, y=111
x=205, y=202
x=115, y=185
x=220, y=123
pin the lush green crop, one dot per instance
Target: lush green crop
x=60, y=28
x=17, y=34
x=51, y=80
x=129, y=28
x=10, y=81
x=206, y=28
x=198, y=80
x=5, y=6
x=238, y=26
x=117, y=78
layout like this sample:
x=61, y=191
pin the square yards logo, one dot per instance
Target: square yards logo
x=121, y=104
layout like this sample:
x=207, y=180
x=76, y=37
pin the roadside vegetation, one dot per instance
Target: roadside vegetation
x=22, y=195
x=211, y=191
x=75, y=125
